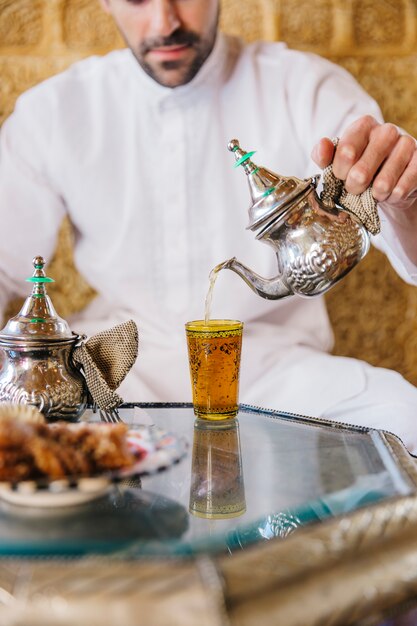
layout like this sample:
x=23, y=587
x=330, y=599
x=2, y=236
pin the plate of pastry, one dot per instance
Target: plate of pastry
x=63, y=464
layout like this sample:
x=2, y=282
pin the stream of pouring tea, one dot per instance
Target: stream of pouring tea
x=212, y=281
x=209, y=297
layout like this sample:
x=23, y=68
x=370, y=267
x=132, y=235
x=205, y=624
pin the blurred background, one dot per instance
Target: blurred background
x=374, y=312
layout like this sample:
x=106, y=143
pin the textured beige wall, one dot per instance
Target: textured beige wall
x=374, y=312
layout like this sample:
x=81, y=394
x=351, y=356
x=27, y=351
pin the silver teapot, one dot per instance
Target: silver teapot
x=36, y=364
x=316, y=242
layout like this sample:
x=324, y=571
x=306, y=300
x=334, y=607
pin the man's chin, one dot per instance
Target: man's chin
x=170, y=73
x=168, y=77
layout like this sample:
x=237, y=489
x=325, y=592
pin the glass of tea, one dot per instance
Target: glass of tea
x=214, y=349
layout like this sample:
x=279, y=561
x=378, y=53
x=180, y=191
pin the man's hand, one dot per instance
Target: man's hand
x=370, y=153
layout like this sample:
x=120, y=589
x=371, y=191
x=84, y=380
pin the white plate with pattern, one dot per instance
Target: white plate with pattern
x=157, y=450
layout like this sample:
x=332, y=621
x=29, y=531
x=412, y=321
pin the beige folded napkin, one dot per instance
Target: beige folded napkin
x=106, y=358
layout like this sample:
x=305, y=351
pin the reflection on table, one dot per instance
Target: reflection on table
x=217, y=489
x=243, y=481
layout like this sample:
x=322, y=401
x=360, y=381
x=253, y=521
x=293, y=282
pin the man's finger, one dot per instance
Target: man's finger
x=393, y=168
x=382, y=142
x=407, y=184
x=323, y=152
x=352, y=145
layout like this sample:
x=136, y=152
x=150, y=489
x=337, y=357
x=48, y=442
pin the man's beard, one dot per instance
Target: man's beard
x=180, y=37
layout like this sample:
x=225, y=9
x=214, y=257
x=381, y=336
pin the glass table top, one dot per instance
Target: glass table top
x=245, y=480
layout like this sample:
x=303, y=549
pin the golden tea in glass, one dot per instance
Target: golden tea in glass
x=214, y=350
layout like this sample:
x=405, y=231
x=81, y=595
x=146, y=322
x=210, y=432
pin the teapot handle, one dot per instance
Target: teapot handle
x=363, y=206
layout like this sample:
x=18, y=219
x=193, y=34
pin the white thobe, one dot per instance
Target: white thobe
x=145, y=175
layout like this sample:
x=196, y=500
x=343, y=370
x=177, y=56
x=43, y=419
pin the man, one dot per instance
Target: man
x=133, y=146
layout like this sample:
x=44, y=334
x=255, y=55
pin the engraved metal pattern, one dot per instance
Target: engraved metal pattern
x=316, y=242
x=365, y=561
x=316, y=247
x=407, y=462
x=45, y=379
x=280, y=525
x=59, y=592
x=323, y=545
x=336, y=250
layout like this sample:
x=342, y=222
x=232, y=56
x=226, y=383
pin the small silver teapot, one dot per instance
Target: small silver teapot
x=36, y=365
x=316, y=242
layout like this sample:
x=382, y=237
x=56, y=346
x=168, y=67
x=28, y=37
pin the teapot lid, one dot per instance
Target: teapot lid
x=271, y=194
x=37, y=319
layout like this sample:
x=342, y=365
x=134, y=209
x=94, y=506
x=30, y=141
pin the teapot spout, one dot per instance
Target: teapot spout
x=269, y=288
